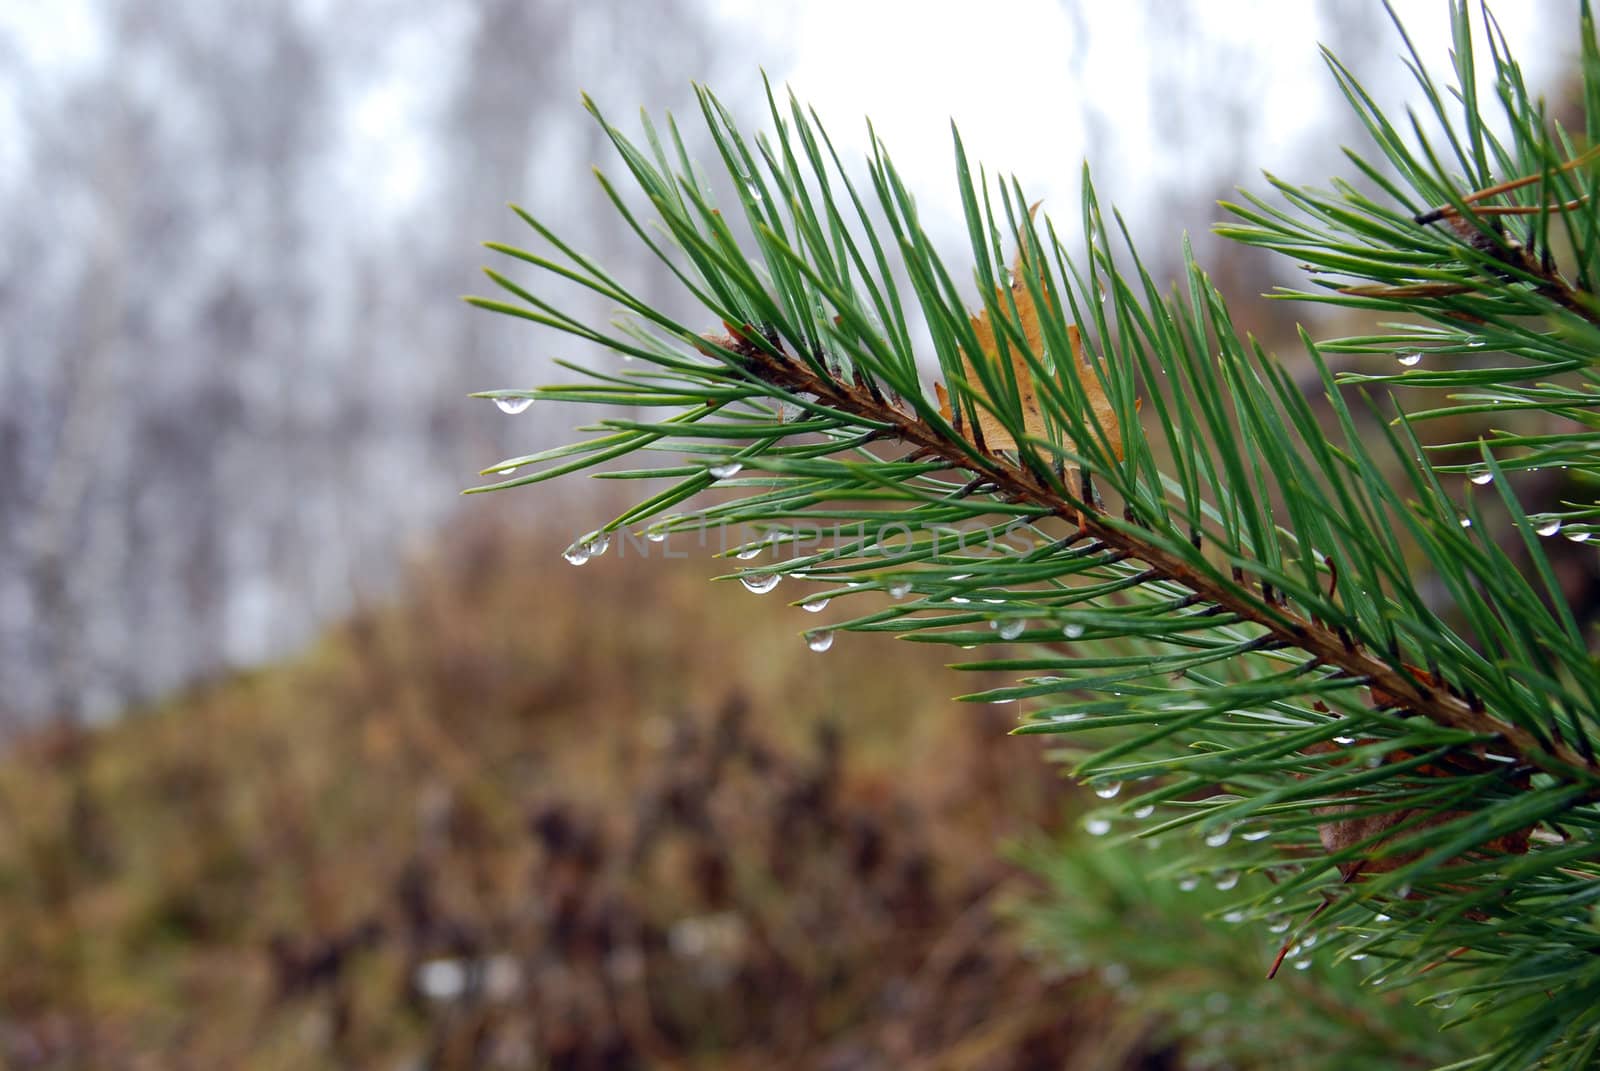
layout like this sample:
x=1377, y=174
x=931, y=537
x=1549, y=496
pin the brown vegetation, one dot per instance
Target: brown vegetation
x=484, y=829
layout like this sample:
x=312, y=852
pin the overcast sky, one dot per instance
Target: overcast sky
x=1027, y=81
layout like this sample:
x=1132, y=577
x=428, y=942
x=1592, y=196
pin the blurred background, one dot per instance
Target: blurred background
x=313, y=762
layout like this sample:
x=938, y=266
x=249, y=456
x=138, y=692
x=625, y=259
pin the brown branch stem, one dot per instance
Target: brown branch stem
x=1391, y=685
x=1551, y=284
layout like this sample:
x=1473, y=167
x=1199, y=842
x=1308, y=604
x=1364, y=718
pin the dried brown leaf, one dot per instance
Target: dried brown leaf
x=992, y=434
x=1339, y=833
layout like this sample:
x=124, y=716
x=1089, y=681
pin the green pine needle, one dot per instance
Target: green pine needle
x=1212, y=595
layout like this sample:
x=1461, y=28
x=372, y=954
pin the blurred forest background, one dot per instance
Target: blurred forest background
x=364, y=812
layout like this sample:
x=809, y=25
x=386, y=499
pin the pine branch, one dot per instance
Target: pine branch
x=1414, y=691
x=1247, y=638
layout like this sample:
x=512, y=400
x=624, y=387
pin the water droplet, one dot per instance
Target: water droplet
x=1108, y=791
x=1302, y=964
x=760, y=583
x=1278, y=924
x=1380, y=918
x=746, y=553
x=1255, y=834
x=1358, y=956
x=1475, y=343
x=1234, y=917
x=899, y=589
x=725, y=469
x=1550, y=528
x=820, y=640
x=1188, y=883
x=656, y=535
x=1097, y=827
x=597, y=544
x=1579, y=537
x=814, y=606
x=1219, y=838
x=1145, y=812
x=1072, y=632
x=1483, y=478
x=1466, y=522
x=1409, y=359
x=1444, y=1000
x=1227, y=880
x=513, y=405
x=959, y=599
x=754, y=191
x=1344, y=741
x=577, y=554
x=1010, y=630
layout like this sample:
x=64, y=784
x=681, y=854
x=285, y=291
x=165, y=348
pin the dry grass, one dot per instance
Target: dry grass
x=621, y=814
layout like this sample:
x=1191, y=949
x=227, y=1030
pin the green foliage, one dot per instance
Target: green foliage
x=1209, y=596
x=1176, y=949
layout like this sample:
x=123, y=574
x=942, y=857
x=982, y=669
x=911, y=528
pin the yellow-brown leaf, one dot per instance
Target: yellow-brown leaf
x=994, y=435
